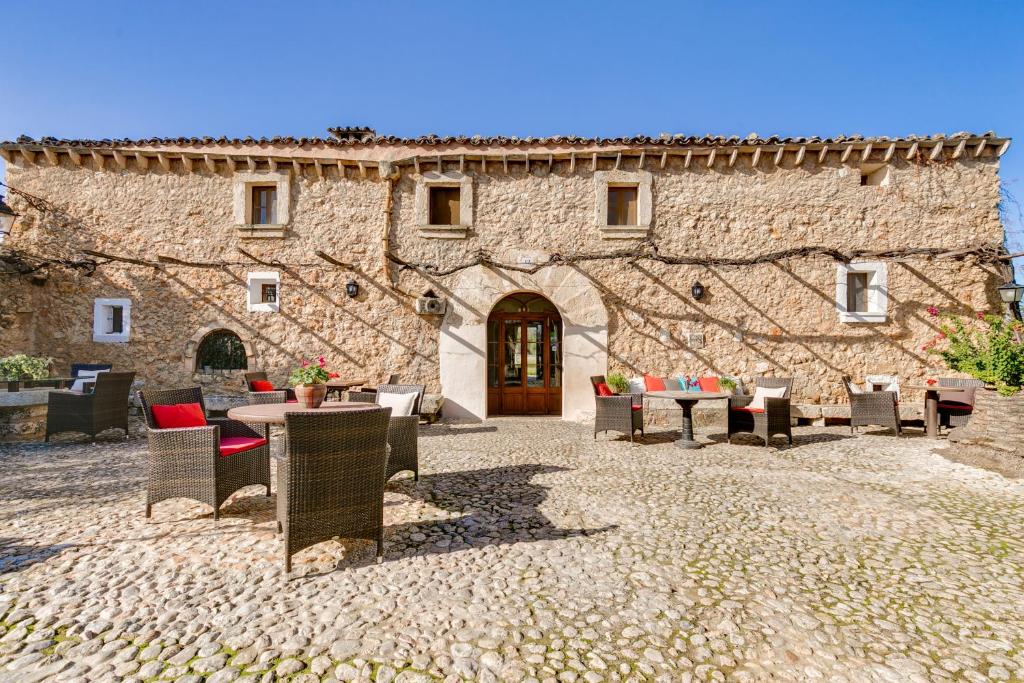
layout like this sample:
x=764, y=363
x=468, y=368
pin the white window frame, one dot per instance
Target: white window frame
x=643, y=181
x=878, y=291
x=421, y=203
x=99, y=321
x=255, y=282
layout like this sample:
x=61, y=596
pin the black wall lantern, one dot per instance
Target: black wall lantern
x=352, y=289
x=697, y=290
x=7, y=218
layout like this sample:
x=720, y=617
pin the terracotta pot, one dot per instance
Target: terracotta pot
x=310, y=395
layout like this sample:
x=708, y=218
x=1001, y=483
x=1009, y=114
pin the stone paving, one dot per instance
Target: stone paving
x=528, y=551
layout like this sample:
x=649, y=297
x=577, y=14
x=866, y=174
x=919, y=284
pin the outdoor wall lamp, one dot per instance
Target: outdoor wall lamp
x=352, y=289
x=7, y=218
x=1011, y=292
x=697, y=291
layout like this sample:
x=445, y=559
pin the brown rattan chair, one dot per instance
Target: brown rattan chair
x=186, y=462
x=624, y=413
x=873, y=408
x=105, y=408
x=956, y=411
x=332, y=482
x=774, y=419
x=403, y=430
x=259, y=375
x=392, y=379
x=256, y=398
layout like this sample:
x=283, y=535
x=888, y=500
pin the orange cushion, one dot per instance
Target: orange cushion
x=709, y=384
x=604, y=390
x=261, y=385
x=179, y=415
x=229, y=445
x=744, y=409
x=654, y=383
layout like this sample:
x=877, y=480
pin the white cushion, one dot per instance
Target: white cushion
x=83, y=377
x=761, y=393
x=636, y=385
x=400, y=404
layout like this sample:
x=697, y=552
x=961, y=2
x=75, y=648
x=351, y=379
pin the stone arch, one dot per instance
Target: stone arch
x=462, y=347
x=191, y=353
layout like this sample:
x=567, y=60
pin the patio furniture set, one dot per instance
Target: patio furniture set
x=766, y=413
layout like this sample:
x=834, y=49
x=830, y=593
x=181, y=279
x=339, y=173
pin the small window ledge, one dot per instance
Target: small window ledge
x=256, y=231
x=862, y=317
x=444, y=232
x=624, y=232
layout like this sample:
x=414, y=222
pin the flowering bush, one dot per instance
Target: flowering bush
x=987, y=347
x=20, y=365
x=310, y=373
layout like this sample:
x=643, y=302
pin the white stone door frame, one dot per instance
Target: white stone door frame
x=462, y=348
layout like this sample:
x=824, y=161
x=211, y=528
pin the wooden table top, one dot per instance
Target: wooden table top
x=345, y=383
x=273, y=413
x=687, y=395
x=934, y=387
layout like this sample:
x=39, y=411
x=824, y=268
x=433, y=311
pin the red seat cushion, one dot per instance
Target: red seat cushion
x=292, y=400
x=744, y=409
x=709, y=384
x=956, y=405
x=229, y=445
x=637, y=407
x=604, y=390
x=178, y=415
x=261, y=385
x=654, y=383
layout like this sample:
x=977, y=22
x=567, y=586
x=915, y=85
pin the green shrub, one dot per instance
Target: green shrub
x=618, y=383
x=727, y=384
x=20, y=365
x=988, y=348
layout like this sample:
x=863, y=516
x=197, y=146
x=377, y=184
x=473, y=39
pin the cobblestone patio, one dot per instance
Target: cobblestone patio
x=530, y=551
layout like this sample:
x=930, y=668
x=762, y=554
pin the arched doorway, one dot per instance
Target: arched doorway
x=524, y=357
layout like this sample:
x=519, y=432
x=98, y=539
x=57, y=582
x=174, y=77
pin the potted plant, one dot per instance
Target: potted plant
x=618, y=383
x=727, y=384
x=310, y=383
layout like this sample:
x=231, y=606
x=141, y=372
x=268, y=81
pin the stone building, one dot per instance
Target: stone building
x=188, y=259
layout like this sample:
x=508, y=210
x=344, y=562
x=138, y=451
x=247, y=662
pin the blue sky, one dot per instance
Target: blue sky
x=137, y=69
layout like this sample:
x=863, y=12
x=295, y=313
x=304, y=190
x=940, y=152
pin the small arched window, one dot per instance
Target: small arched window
x=221, y=350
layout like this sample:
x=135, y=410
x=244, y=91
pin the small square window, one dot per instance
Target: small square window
x=268, y=293
x=874, y=174
x=622, y=203
x=264, y=204
x=115, y=319
x=857, y=292
x=445, y=205
x=111, y=320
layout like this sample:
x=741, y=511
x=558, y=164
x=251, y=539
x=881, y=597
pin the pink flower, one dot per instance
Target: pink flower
x=981, y=316
x=932, y=311
x=942, y=335
x=305, y=362
x=924, y=348
x=322, y=361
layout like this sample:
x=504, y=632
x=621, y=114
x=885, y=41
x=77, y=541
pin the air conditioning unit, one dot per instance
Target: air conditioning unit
x=429, y=305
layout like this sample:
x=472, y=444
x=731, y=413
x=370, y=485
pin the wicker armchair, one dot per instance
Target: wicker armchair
x=105, y=408
x=259, y=375
x=953, y=412
x=262, y=397
x=624, y=413
x=186, y=462
x=873, y=408
x=403, y=430
x=332, y=482
x=392, y=379
x=774, y=419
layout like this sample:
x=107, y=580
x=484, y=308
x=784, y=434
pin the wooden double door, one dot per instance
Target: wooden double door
x=524, y=360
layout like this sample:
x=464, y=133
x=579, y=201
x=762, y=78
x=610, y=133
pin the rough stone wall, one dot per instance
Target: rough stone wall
x=778, y=319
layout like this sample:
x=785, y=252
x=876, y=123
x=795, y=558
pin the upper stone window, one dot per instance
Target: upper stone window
x=862, y=294
x=444, y=204
x=262, y=203
x=624, y=203
x=111, y=320
x=875, y=174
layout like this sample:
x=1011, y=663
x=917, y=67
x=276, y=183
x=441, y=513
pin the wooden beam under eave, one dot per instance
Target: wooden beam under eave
x=483, y=163
x=755, y=158
x=251, y=163
x=341, y=168
x=823, y=154
x=912, y=152
x=75, y=157
x=593, y=162
x=51, y=156
x=504, y=162
x=572, y=162
x=664, y=159
x=97, y=159
x=865, y=153
x=846, y=154
x=362, y=168
x=120, y=160
x=272, y=163
x=415, y=164
x=164, y=161
x=232, y=165
x=211, y=163
x=318, y=167
x=688, y=159
x=640, y=164
x=1002, y=148
x=960, y=148
x=711, y=157
x=779, y=155
x=440, y=165
x=980, y=148
x=732, y=157
x=141, y=162
x=618, y=161
x=527, y=162
x=936, y=151
x=187, y=161
x=296, y=168
x=800, y=155
x=6, y=154
x=889, y=152
x=462, y=163
x=28, y=157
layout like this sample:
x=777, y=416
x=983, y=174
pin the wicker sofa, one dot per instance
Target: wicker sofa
x=332, y=482
x=106, y=407
x=189, y=462
x=623, y=413
x=773, y=419
x=403, y=430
